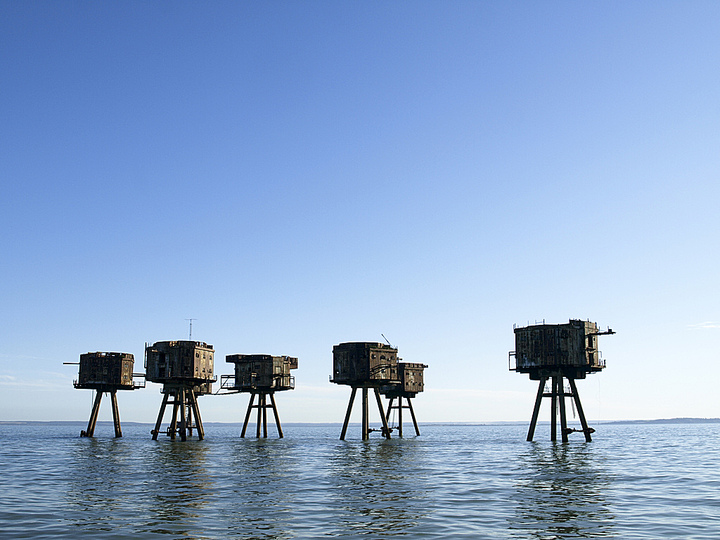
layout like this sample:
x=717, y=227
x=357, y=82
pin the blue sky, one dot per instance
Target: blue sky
x=298, y=174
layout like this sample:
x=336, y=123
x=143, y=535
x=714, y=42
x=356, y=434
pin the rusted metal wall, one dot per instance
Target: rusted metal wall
x=263, y=371
x=106, y=369
x=168, y=361
x=412, y=377
x=557, y=346
x=358, y=363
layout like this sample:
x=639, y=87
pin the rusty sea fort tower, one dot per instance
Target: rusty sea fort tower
x=553, y=353
x=185, y=369
x=106, y=372
x=365, y=365
x=261, y=375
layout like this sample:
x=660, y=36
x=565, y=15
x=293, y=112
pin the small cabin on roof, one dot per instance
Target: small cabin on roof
x=263, y=371
x=411, y=383
x=180, y=361
x=572, y=348
x=364, y=363
x=106, y=370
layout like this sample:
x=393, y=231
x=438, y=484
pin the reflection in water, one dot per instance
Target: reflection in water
x=259, y=489
x=180, y=486
x=561, y=494
x=375, y=488
x=96, y=482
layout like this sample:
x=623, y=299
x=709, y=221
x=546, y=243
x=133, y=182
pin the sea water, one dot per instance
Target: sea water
x=633, y=481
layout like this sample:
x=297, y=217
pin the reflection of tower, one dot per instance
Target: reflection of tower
x=106, y=372
x=365, y=365
x=411, y=382
x=185, y=369
x=262, y=375
x=553, y=352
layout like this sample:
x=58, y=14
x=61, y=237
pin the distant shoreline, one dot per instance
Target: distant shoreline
x=334, y=424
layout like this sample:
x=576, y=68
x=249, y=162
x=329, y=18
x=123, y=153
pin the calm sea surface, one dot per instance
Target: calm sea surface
x=645, y=482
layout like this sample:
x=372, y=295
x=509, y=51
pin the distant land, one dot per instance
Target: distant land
x=319, y=424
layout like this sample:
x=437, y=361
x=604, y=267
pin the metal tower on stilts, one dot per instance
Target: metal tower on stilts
x=185, y=369
x=553, y=353
x=105, y=372
x=261, y=375
x=411, y=383
x=365, y=365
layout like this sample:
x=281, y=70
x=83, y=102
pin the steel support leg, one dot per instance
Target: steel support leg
x=277, y=416
x=536, y=409
x=264, y=410
x=563, y=415
x=183, y=415
x=400, y=418
x=412, y=415
x=115, y=413
x=196, y=412
x=386, y=428
x=93, y=415
x=259, y=416
x=347, y=414
x=160, y=417
x=365, y=419
x=553, y=409
x=247, y=415
x=581, y=414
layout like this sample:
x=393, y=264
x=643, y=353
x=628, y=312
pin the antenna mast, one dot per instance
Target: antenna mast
x=190, y=333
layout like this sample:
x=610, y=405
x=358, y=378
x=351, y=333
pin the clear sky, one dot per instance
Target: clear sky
x=293, y=175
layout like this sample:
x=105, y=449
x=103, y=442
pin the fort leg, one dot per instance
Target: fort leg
x=347, y=414
x=259, y=416
x=277, y=416
x=365, y=419
x=93, y=415
x=196, y=412
x=247, y=414
x=389, y=408
x=553, y=409
x=264, y=410
x=172, y=430
x=412, y=415
x=116, y=413
x=386, y=428
x=536, y=409
x=581, y=414
x=563, y=415
x=400, y=408
x=160, y=417
x=189, y=417
x=183, y=416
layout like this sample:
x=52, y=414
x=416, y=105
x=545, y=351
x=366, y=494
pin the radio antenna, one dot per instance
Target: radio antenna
x=190, y=333
x=386, y=339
